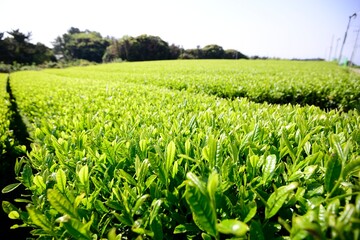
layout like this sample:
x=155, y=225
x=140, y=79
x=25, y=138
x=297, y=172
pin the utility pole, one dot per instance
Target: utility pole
x=331, y=46
x=354, y=49
x=337, y=43
x=342, y=46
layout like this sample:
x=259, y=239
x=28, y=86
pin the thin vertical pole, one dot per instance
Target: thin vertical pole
x=342, y=46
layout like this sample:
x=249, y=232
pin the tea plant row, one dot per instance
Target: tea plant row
x=4, y=121
x=113, y=158
x=322, y=84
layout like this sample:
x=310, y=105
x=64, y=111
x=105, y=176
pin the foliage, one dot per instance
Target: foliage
x=141, y=48
x=147, y=47
x=113, y=157
x=233, y=54
x=10, y=149
x=76, y=44
x=212, y=51
x=321, y=84
x=5, y=134
x=5, y=68
x=17, y=48
x=91, y=46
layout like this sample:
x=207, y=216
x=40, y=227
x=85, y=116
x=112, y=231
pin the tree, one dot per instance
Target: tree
x=234, y=54
x=151, y=48
x=174, y=51
x=112, y=51
x=20, y=37
x=192, y=53
x=17, y=48
x=76, y=44
x=129, y=48
x=141, y=48
x=213, y=51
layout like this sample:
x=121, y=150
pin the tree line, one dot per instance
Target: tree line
x=17, y=48
x=88, y=45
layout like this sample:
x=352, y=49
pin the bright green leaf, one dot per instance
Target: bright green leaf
x=232, y=226
x=170, y=156
x=84, y=175
x=39, y=182
x=77, y=229
x=332, y=173
x=212, y=184
x=269, y=167
x=278, y=198
x=351, y=167
x=60, y=203
x=201, y=206
x=10, y=187
x=39, y=219
x=127, y=177
x=14, y=215
x=61, y=180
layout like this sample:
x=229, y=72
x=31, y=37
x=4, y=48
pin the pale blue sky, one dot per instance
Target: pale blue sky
x=276, y=28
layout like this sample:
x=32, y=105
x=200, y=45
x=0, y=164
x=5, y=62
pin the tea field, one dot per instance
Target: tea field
x=209, y=149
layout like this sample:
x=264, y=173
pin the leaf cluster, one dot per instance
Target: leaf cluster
x=114, y=158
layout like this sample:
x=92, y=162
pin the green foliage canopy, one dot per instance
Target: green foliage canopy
x=17, y=48
x=76, y=44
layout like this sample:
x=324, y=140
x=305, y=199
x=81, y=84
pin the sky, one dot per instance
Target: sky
x=271, y=28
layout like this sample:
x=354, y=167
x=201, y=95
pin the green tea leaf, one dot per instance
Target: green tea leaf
x=339, y=150
x=205, y=236
x=123, y=219
x=333, y=171
x=8, y=207
x=78, y=199
x=39, y=219
x=127, y=177
x=347, y=215
x=170, y=156
x=209, y=151
x=289, y=147
x=100, y=206
x=139, y=202
x=139, y=229
x=232, y=226
x=155, y=209
x=158, y=167
x=60, y=203
x=18, y=165
x=112, y=234
x=252, y=208
x=77, y=229
x=188, y=146
x=39, y=182
x=84, y=175
x=351, y=168
x=187, y=227
x=10, y=187
x=278, y=198
x=61, y=180
x=143, y=144
x=195, y=181
x=304, y=228
x=14, y=215
x=212, y=184
x=269, y=167
x=307, y=148
x=203, y=211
